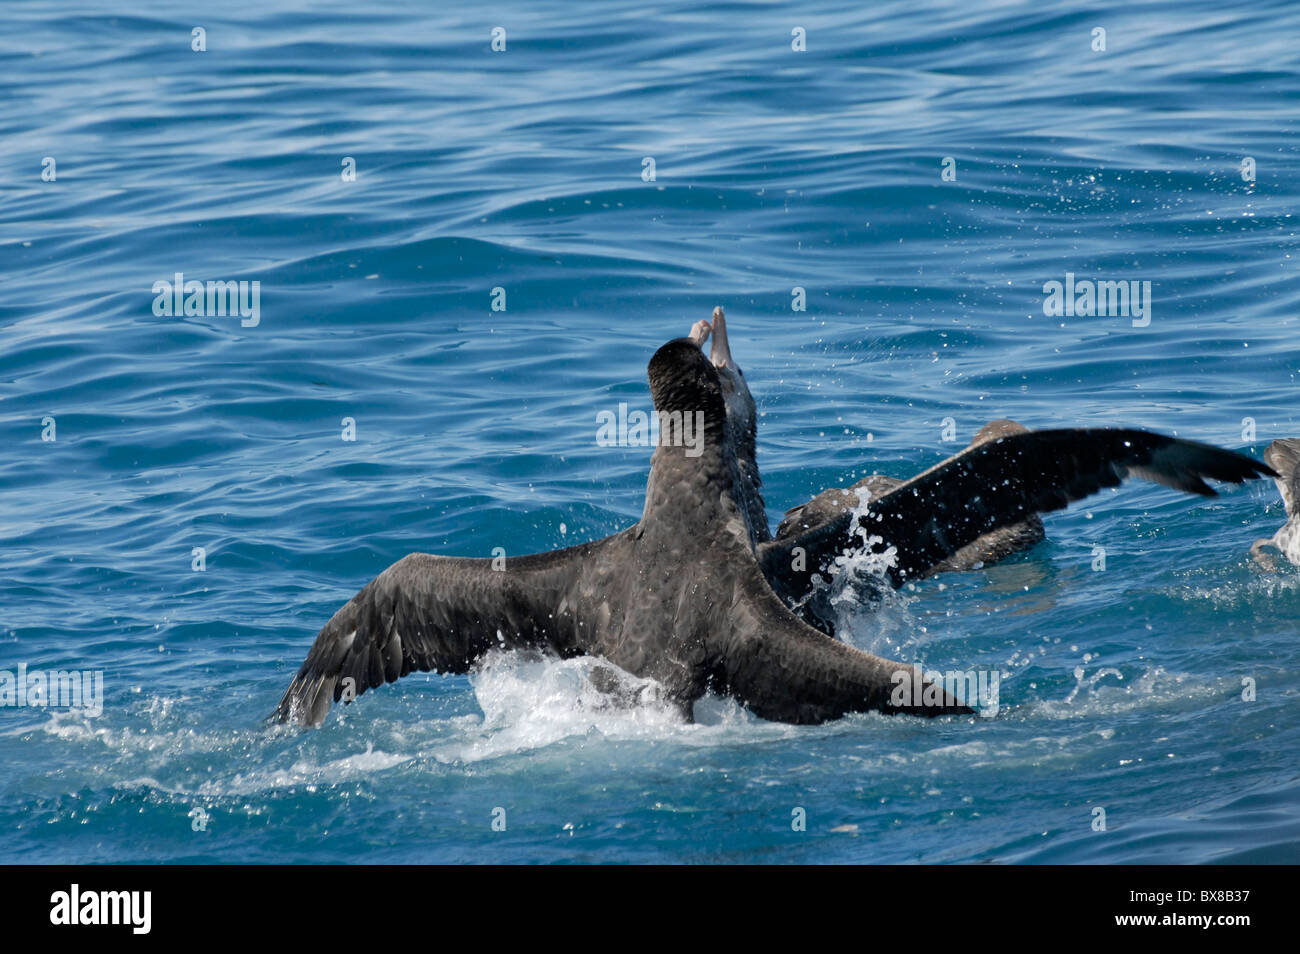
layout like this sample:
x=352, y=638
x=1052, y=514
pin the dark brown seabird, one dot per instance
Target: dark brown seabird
x=840, y=502
x=989, y=549
x=694, y=594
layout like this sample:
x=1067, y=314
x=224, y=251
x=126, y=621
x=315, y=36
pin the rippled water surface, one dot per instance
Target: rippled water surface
x=523, y=170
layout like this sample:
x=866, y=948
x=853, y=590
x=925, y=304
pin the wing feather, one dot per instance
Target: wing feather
x=429, y=613
x=1000, y=482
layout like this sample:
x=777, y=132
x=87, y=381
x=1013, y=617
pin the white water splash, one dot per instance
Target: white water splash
x=869, y=613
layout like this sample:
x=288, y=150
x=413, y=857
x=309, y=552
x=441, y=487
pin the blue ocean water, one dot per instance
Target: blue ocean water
x=522, y=170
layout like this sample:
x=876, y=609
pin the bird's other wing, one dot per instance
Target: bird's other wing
x=996, y=483
x=831, y=503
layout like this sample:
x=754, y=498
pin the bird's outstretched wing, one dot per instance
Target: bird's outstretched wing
x=429, y=613
x=993, y=484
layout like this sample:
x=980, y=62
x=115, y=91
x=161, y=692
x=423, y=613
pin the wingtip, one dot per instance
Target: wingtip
x=1185, y=465
x=302, y=706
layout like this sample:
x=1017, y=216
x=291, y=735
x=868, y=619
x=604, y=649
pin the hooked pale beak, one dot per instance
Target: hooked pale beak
x=721, y=353
x=700, y=333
